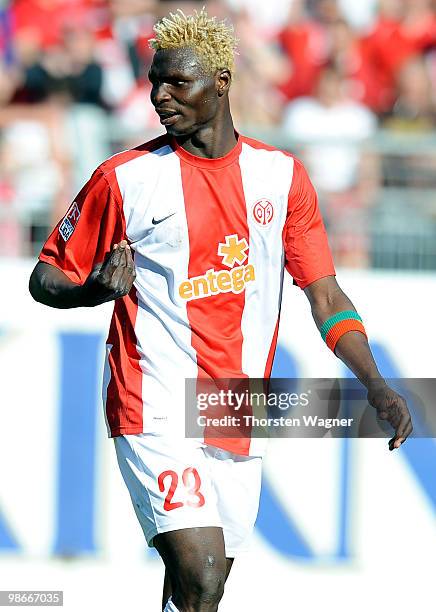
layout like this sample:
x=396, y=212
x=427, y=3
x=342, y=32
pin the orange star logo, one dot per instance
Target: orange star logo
x=233, y=250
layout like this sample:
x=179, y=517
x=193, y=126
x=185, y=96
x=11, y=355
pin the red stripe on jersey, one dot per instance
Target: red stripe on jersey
x=272, y=351
x=208, y=196
x=124, y=406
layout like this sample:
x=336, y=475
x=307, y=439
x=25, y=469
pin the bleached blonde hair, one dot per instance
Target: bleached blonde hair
x=212, y=40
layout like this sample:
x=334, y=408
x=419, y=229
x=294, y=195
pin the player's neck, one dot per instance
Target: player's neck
x=211, y=141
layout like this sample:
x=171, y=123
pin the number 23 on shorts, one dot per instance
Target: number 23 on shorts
x=191, y=482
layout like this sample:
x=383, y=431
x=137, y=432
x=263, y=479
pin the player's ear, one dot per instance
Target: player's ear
x=223, y=79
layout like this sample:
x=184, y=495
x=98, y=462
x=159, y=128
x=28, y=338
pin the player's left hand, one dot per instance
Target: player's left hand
x=392, y=407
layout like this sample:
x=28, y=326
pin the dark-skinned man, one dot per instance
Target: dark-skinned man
x=190, y=235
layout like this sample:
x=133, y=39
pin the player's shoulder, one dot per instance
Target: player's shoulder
x=298, y=169
x=152, y=146
x=259, y=145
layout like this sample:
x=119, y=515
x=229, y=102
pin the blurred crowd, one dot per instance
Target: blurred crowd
x=327, y=74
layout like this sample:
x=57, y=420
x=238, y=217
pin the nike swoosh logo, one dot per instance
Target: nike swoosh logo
x=157, y=221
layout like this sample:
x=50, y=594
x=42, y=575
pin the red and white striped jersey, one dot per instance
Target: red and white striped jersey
x=210, y=239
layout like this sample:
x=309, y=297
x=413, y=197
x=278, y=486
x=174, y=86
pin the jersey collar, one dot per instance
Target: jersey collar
x=206, y=162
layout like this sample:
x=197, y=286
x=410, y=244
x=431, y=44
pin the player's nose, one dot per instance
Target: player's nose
x=159, y=95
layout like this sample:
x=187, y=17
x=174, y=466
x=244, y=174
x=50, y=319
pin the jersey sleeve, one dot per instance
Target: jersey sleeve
x=307, y=252
x=87, y=232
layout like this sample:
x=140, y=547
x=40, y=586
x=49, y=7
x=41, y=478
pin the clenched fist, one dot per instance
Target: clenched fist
x=112, y=279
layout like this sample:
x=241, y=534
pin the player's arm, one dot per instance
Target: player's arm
x=327, y=300
x=108, y=281
x=309, y=261
x=86, y=260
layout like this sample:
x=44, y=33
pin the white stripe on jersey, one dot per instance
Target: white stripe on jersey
x=265, y=174
x=151, y=187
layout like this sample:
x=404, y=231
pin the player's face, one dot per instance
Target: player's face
x=185, y=98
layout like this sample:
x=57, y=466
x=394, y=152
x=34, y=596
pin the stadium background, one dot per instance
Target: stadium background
x=349, y=86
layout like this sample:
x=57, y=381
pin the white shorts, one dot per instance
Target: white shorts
x=178, y=484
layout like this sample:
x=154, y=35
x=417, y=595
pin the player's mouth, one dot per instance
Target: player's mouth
x=168, y=117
